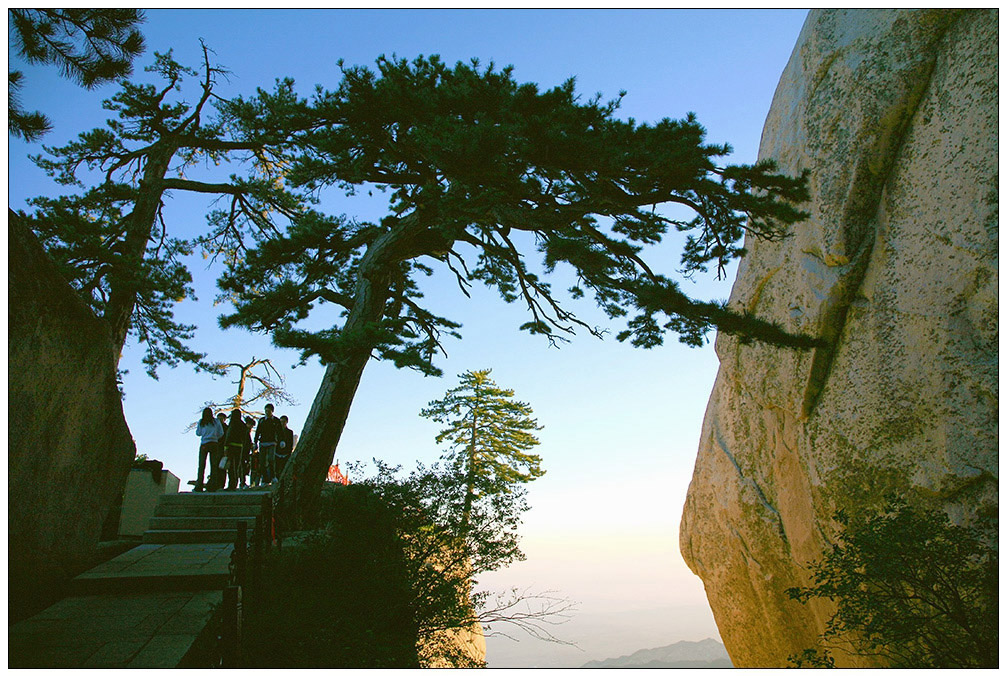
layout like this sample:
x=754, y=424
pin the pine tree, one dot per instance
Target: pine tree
x=489, y=435
x=111, y=241
x=481, y=172
x=90, y=46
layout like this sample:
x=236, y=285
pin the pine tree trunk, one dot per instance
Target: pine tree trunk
x=466, y=514
x=122, y=298
x=305, y=473
x=239, y=398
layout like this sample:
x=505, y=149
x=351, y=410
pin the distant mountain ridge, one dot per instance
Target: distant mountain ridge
x=707, y=653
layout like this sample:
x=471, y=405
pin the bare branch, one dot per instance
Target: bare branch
x=199, y=186
x=267, y=388
x=531, y=612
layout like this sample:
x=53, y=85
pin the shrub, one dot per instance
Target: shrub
x=910, y=588
x=340, y=598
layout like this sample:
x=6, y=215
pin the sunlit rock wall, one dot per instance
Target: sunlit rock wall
x=454, y=648
x=69, y=449
x=895, y=114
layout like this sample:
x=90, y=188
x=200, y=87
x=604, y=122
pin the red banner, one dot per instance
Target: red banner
x=335, y=475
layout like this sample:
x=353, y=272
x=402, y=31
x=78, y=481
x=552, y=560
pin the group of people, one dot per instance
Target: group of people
x=236, y=456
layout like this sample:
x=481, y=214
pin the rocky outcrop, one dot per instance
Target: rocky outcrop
x=895, y=115
x=454, y=648
x=458, y=647
x=69, y=447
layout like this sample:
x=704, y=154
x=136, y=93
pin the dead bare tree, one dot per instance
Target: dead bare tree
x=268, y=385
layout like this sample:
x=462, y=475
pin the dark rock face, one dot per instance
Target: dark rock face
x=69, y=446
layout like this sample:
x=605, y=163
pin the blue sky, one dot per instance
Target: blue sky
x=621, y=424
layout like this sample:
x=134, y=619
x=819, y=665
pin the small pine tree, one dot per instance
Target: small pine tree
x=489, y=434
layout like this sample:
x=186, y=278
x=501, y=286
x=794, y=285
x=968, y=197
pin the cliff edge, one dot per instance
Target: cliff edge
x=895, y=115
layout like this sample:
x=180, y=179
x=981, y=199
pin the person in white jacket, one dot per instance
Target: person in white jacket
x=210, y=432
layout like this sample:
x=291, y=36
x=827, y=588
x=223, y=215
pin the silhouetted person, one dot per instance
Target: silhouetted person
x=210, y=432
x=267, y=438
x=222, y=417
x=285, y=447
x=247, y=457
x=236, y=437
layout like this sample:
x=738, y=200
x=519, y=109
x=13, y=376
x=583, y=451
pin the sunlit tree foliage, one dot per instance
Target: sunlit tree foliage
x=489, y=436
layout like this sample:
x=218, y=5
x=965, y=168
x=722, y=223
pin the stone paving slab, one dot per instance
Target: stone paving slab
x=190, y=535
x=155, y=567
x=138, y=631
x=162, y=651
x=149, y=607
x=156, y=558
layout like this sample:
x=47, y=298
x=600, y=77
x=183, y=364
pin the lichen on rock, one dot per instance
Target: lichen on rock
x=895, y=115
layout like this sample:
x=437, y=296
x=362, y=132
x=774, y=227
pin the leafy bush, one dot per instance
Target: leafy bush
x=388, y=581
x=338, y=599
x=911, y=588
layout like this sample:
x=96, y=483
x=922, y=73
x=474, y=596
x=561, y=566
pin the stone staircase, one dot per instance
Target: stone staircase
x=157, y=605
x=187, y=545
x=187, y=518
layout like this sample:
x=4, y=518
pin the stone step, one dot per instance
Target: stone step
x=206, y=510
x=216, y=498
x=200, y=522
x=145, y=584
x=189, y=536
x=150, y=568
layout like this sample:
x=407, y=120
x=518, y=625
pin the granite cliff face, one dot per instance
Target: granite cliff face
x=895, y=115
x=69, y=446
